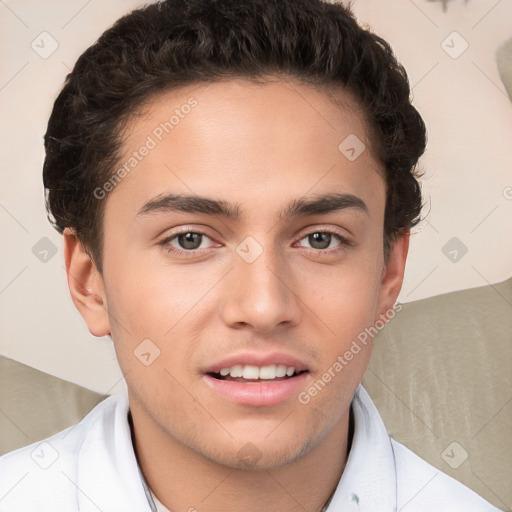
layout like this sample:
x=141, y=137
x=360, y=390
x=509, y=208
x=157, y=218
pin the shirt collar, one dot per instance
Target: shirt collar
x=107, y=470
x=369, y=480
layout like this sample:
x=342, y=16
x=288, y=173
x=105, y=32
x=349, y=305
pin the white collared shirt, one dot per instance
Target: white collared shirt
x=92, y=466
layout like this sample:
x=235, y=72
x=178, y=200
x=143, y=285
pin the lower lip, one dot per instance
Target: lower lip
x=257, y=394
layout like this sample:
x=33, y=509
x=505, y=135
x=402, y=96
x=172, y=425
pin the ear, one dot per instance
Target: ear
x=85, y=285
x=393, y=273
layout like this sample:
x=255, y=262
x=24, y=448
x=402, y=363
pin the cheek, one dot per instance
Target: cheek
x=345, y=298
x=345, y=303
x=346, y=308
x=150, y=299
x=162, y=305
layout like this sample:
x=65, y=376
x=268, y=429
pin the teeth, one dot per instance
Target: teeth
x=251, y=372
x=236, y=371
x=281, y=370
x=267, y=372
x=254, y=372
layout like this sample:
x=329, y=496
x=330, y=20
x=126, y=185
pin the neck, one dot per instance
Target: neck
x=184, y=480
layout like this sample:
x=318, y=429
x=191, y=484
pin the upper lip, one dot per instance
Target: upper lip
x=259, y=359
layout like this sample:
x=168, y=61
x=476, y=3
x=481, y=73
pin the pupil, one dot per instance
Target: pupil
x=322, y=240
x=189, y=240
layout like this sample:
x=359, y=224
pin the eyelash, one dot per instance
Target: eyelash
x=344, y=243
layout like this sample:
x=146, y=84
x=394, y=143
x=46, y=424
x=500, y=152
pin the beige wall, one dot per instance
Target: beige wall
x=467, y=182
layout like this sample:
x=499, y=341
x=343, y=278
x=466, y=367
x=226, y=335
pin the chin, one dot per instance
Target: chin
x=261, y=455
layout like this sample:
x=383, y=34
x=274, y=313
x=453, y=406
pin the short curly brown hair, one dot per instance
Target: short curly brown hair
x=175, y=43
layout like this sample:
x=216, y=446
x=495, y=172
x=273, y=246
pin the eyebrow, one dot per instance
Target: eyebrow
x=318, y=205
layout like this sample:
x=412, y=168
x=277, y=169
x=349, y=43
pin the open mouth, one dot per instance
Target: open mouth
x=257, y=386
x=254, y=374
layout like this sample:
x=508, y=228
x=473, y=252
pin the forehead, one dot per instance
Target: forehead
x=242, y=140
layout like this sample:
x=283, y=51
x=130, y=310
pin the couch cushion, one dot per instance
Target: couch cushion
x=35, y=405
x=441, y=377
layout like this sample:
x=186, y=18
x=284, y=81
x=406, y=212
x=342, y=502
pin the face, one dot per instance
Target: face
x=242, y=244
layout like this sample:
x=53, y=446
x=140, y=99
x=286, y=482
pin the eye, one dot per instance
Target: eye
x=186, y=242
x=189, y=241
x=326, y=241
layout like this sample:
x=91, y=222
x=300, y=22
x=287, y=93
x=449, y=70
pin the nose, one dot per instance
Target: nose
x=260, y=294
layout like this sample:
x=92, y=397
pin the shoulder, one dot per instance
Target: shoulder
x=421, y=487
x=382, y=474
x=45, y=472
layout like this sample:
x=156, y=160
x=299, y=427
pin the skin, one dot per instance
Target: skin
x=260, y=146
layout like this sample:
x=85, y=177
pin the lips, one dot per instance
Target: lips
x=256, y=379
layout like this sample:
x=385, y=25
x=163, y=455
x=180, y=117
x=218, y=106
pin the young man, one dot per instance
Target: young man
x=235, y=183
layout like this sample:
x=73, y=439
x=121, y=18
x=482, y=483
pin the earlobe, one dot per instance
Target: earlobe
x=85, y=285
x=393, y=273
